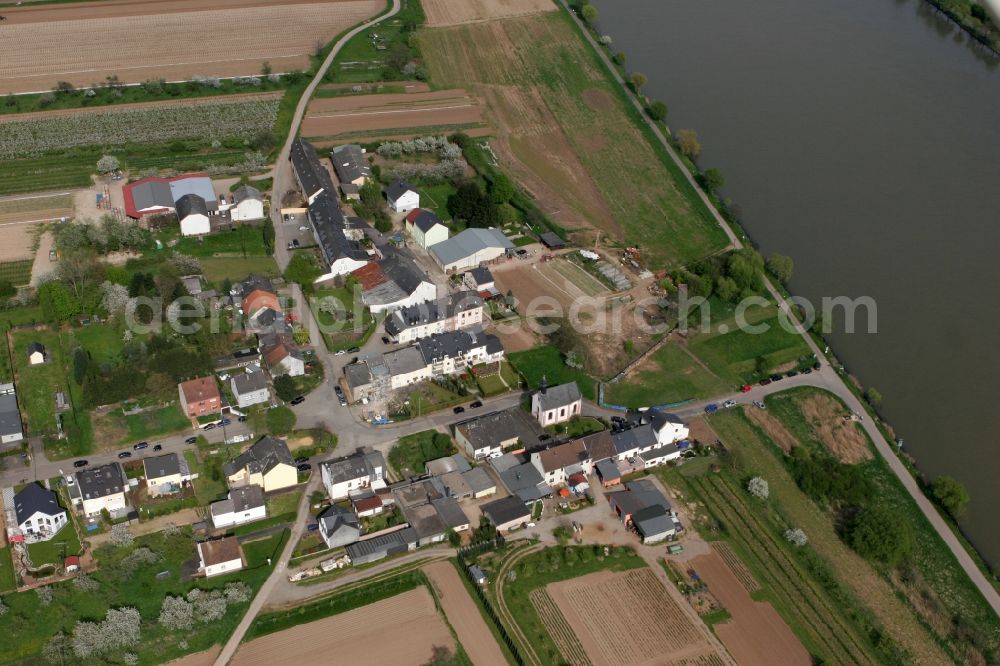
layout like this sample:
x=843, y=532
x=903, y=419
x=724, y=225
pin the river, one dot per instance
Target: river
x=863, y=140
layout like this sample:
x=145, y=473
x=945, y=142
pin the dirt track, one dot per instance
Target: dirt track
x=453, y=12
x=333, y=116
x=400, y=630
x=756, y=634
x=174, y=39
x=464, y=616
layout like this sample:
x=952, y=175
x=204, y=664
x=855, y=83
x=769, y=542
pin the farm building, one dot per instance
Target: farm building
x=242, y=505
x=192, y=211
x=507, y=513
x=520, y=478
x=425, y=228
x=157, y=196
x=480, y=482
x=100, y=488
x=451, y=514
x=454, y=463
x=608, y=473
x=351, y=165
x=556, y=404
x=338, y=526
x=382, y=546
x=481, y=281
x=36, y=353
x=38, y=514
x=552, y=241
x=200, y=396
x=11, y=429
x=166, y=474
x=220, y=556
x=470, y=248
x=267, y=464
x=248, y=204
x=455, y=312
x=369, y=506
x=642, y=506
x=653, y=524
x=402, y=198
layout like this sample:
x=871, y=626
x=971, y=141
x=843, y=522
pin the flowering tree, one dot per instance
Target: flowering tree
x=237, y=593
x=118, y=630
x=108, y=163
x=44, y=595
x=121, y=536
x=115, y=298
x=796, y=536
x=758, y=488
x=85, y=583
x=176, y=613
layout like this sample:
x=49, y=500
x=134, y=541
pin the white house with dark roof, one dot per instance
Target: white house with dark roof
x=455, y=312
x=11, y=429
x=39, y=516
x=402, y=197
x=557, y=463
x=166, y=474
x=250, y=388
x=425, y=228
x=192, y=212
x=481, y=281
x=348, y=474
x=338, y=526
x=248, y=204
x=242, y=505
x=267, y=464
x=556, y=404
x=394, y=282
x=487, y=435
x=100, y=488
x=668, y=427
x=36, y=353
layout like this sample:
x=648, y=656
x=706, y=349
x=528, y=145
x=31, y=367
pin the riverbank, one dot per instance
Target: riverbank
x=973, y=18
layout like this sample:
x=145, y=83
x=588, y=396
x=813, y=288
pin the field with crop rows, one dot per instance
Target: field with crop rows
x=15, y=272
x=212, y=119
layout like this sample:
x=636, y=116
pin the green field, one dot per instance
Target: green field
x=34, y=624
x=7, y=581
x=546, y=361
x=345, y=329
x=672, y=375
x=16, y=272
x=411, y=453
x=154, y=423
x=543, y=57
x=359, y=61
x=243, y=241
x=217, y=269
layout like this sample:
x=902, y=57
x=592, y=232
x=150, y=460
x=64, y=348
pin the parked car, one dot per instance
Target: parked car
x=299, y=400
x=764, y=382
x=225, y=422
x=210, y=426
x=807, y=371
x=354, y=350
x=125, y=454
x=759, y=404
x=711, y=408
x=81, y=463
x=302, y=459
x=776, y=377
x=729, y=404
x=158, y=447
x=816, y=365
x=242, y=419
x=304, y=467
x=458, y=410
x=791, y=373
x=746, y=388
x=191, y=440
x=295, y=242
x=312, y=527
x=618, y=419
x=338, y=390
x=477, y=404
x=303, y=228
x=385, y=339
x=140, y=446
x=340, y=352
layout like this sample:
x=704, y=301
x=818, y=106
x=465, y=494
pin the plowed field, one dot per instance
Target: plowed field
x=453, y=12
x=173, y=39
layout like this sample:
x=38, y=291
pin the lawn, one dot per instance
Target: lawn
x=217, y=269
x=153, y=423
x=410, y=454
x=547, y=361
x=104, y=342
x=243, y=241
x=578, y=426
x=7, y=581
x=427, y=397
x=434, y=196
x=53, y=551
x=669, y=376
x=142, y=588
x=206, y=487
x=351, y=323
x=553, y=95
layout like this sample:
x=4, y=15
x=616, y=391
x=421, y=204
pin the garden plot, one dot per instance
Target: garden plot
x=359, y=636
x=170, y=39
x=604, y=609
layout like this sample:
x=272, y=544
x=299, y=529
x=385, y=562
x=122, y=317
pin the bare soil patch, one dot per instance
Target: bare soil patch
x=598, y=100
x=353, y=114
x=402, y=630
x=756, y=634
x=773, y=428
x=452, y=12
x=206, y=658
x=830, y=422
x=702, y=431
x=18, y=239
x=172, y=39
x=605, y=608
x=464, y=616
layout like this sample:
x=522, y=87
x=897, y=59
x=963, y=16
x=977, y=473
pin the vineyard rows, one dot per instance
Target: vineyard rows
x=242, y=119
x=737, y=566
x=808, y=604
x=560, y=631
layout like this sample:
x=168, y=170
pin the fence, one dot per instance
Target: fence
x=477, y=549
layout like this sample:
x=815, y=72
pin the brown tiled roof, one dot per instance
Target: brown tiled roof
x=367, y=503
x=563, y=455
x=258, y=299
x=599, y=445
x=222, y=550
x=199, y=389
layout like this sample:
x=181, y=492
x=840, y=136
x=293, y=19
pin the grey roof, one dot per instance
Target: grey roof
x=652, y=521
x=247, y=192
x=418, y=493
x=199, y=186
x=454, y=485
x=479, y=480
x=158, y=467
x=101, y=481
x=659, y=452
x=253, y=282
x=424, y=219
x=432, y=311
x=261, y=458
x=404, y=361
x=467, y=243
x=402, y=279
x=424, y=520
x=607, y=469
x=329, y=223
x=311, y=174
x=357, y=465
x=490, y=429
x=249, y=382
x=191, y=204
x=246, y=498
x=339, y=524
x=639, y=495
x=358, y=374
x=482, y=275
x=152, y=194
x=599, y=445
x=658, y=419
x=397, y=188
x=504, y=462
x=552, y=240
x=452, y=344
x=350, y=163
x=558, y=396
x=383, y=545
x=450, y=512
x=505, y=510
x=634, y=438
x=477, y=573
x=526, y=482
x=349, y=188
x=10, y=415
x=36, y=347
x=33, y=499
x=455, y=463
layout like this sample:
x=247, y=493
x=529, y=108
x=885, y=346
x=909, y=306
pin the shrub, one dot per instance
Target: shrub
x=879, y=534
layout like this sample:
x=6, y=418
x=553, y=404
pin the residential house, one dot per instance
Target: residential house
x=392, y=283
x=425, y=228
x=192, y=211
x=283, y=358
x=351, y=164
x=38, y=514
x=267, y=464
x=166, y=474
x=455, y=351
x=669, y=428
x=521, y=479
x=507, y=513
x=344, y=476
x=261, y=309
x=242, y=505
x=350, y=192
x=427, y=523
x=631, y=442
x=220, y=556
x=200, y=397
x=99, y=488
x=455, y=312
x=382, y=546
x=36, y=353
x=248, y=204
x=250, y=388
x=312, y=178
x=402, y=197
x=470, y=248
x=557, y=463
x=11, y=429
x=557, y=404
x=338, y=526
x=660, y=455
x=487, y=435
x=481, y=281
